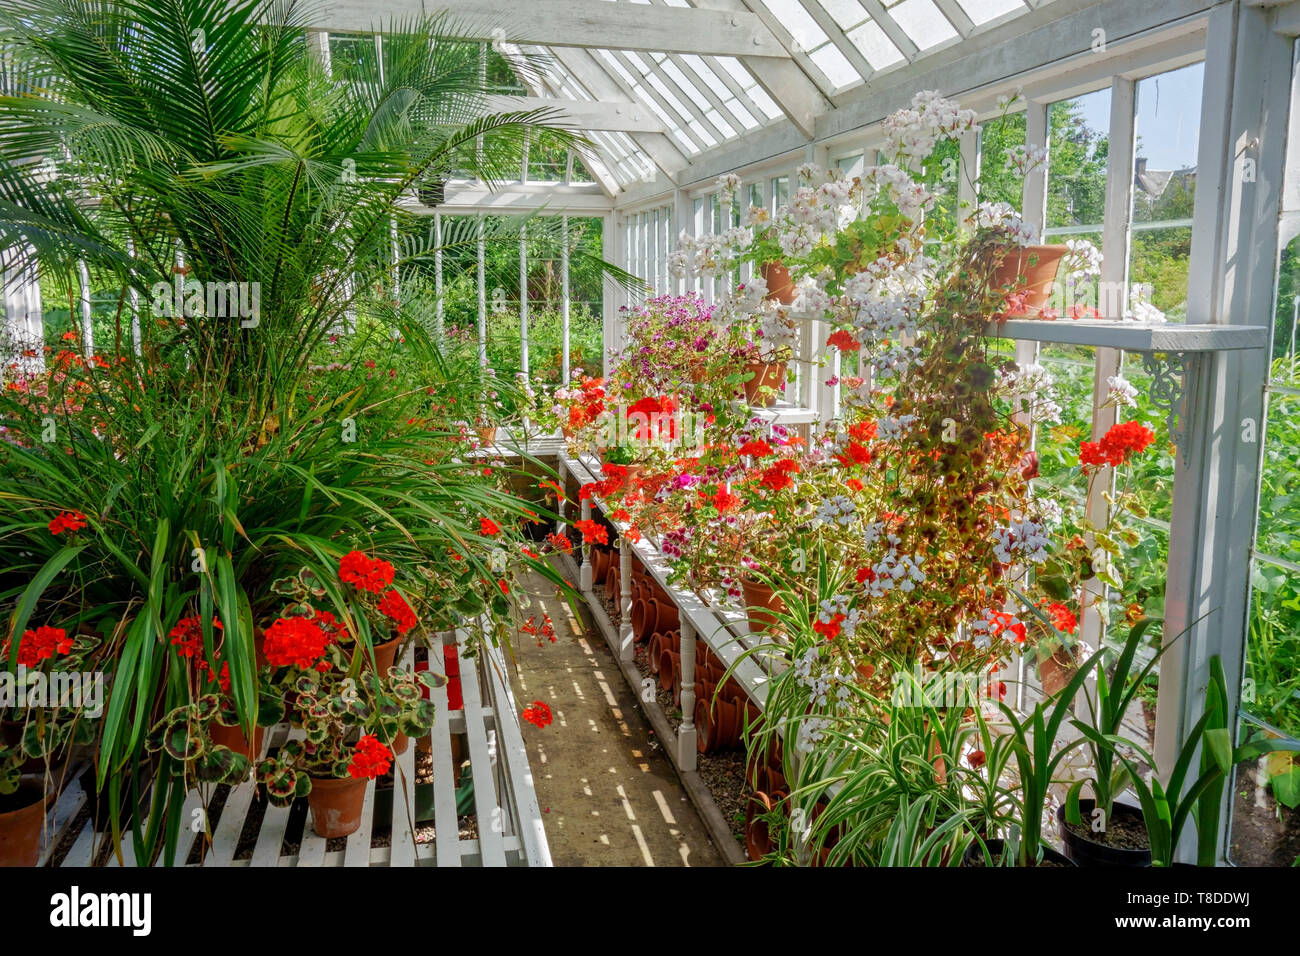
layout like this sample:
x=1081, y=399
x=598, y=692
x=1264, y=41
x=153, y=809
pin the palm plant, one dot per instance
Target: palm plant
x=138, y=136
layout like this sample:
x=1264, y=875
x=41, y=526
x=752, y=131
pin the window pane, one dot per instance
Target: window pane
x=1076, y=171
x=780, y=192
x=999, y=182
x=1164, y=186
x=1279, y=489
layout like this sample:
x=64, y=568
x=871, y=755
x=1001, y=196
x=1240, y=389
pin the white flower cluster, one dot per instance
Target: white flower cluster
x=1032, y=385
x=1024, y=540
x=812, y=730
x=728, y=183
x=1140, y=307
x=881, y=319
x=894, y=361
x=707, y=255
x=1120, y=391
x=1024, y=159
x=811, y=296
x=894, y=428
x=777, y=330
x=1003, y=217
x=837, y=509
x=871, y=534
x=911, y=197
x=1083, y=261
x=912, y=133
x=903, y=571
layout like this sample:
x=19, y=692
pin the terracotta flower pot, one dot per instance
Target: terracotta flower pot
x=770, y=374
x=487, y=434
x=1038, y=265
x=670, y=665
x=639, y=619
x=22, y=814
x=780, y=287
x=653, y=652
x=400, y=743
x=336, y=804
x=705, y=735
x=599, y=565
x=666, y=616
x=1058, y=670
x=759, y=595
x=237, y=740
x=758, y=839
x=385, y=656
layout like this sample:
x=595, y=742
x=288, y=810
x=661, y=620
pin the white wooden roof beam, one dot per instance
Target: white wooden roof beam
x=613, y=116
x=578, y=23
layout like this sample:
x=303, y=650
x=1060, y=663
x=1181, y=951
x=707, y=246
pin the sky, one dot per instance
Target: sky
x=1168, y=116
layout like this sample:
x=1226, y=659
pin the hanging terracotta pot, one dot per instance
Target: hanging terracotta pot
x=1059, y=669
x=22, y=814
x=237, y=740
x=336, y=804
x=769, y=374
x=780, y=287
x=1038, y=266
x=759, y=595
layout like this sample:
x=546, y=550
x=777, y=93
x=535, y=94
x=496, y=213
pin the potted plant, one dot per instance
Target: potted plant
x=1102, y=831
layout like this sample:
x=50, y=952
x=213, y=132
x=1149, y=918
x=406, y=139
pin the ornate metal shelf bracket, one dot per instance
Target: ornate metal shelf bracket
x=1168, y=392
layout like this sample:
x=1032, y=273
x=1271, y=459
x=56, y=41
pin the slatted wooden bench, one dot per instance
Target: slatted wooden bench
x=509, y=824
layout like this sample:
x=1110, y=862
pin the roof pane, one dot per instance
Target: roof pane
x=720, y=124
x=982, y=11
x=923, y=23
x=798, y=22
x=837, y=69
x=765, y=102
x=872, y=42
x=746, y=118
x=847, y=13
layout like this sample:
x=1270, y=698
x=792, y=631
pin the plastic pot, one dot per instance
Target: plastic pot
x=1083, y=851
x=336, y=804
x=973, y=853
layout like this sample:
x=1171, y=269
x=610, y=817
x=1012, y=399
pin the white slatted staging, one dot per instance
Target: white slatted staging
x=509, y=820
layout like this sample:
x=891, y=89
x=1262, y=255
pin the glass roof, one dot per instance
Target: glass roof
x=706, y=101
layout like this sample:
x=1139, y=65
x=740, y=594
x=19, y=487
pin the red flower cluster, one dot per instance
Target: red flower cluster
x=393, y=606
x=854, y=454
x=41, y=644
x=1000, y=621
x=844, y=341
x=543, y=631
x=560, y=542
x=370, y=759
x=187, y=637
x=592, y=531
x=780, y=475
x=1117, y=446
x=67, y=521
x=829, y=630
x=1062, y=618
x=296, y=641
x=538, y=714
x=722, y=499
x=757, y=449
x=487, y=527
x=368, y=574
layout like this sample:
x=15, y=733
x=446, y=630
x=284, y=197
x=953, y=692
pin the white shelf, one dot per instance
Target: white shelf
x=1134, y=336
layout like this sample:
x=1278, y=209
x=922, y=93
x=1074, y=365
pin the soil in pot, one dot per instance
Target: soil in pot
x=974, y=856
x=1124, y=842
x=336, y=804
x=22, y=814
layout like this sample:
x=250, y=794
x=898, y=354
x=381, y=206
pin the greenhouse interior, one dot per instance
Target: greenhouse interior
x=649, y=433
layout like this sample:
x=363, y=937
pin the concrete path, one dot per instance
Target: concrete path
x=608, y=794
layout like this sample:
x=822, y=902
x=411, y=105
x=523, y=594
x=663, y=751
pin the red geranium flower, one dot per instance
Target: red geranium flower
x=779, y=475
x=368, y=574
x=296, y=641
x=487, y=527
x=757, y=449
x=67, y=521
x=41, y=644
x=1117, y=446
x=187, y=636
x=1063, y=619
x=393, y=606
x=592, y=531
x=844, y=341
x=560, y=542
x=370, y=759
x=538, y=714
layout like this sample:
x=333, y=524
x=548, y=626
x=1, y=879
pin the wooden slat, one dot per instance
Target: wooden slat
x=270, y=836
x=402, y=839
x=488, y=807
x=61, y=818
x=225, y=839
x=83, y=850
x=357, y=851
x=445, y=825
x=185, y=841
